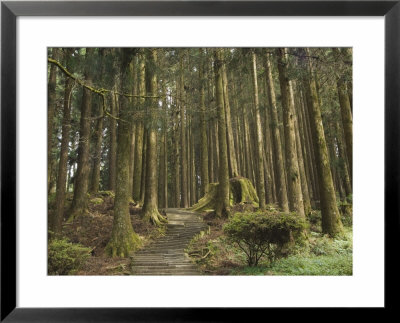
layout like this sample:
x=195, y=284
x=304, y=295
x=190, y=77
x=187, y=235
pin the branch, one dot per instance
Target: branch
x=100, y=91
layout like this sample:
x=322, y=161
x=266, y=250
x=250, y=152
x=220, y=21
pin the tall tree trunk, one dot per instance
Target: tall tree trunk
x=144, y=166
x=342, y=155
x=347, y=119
x=292, y=165
x=79, y=202
x=137, y=172
x=233, y=170
x=331, y=223
x=98, y=140
x=177, y=177
x=259, y=146
x=51, y=102
x=302, y=172
x=56, y=221
x=133, y=102
x=123, y=239
x=184, y=160
x=222, y=205
x=203, y=129
x=162, y=183
x=276, y=140
x=98, y=135
x=113, y=140
x=150, y=205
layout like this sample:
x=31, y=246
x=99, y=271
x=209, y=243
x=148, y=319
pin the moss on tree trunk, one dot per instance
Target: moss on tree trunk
x=241, y=192
x=123, y=239
x=150, y=204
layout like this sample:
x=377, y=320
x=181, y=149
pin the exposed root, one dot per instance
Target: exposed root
x=241, y=191
x=154, y=217
x=123, y=245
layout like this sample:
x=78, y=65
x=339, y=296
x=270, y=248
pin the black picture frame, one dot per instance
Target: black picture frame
x=10, y=10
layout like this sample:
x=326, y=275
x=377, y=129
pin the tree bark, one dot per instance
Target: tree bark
x=222, y=206
x=293, y=173
x=56, y=221
x=260, y=184
x=331, y=223
x=51, y=102
x=150, y=205
x=233, y=170
x=203, y=129
x=184, y=159
x=123, y=239
x=79, y=202
x=137, y=172
x=276, y=140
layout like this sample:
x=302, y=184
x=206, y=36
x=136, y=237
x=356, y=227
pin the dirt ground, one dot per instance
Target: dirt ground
x=93, y=230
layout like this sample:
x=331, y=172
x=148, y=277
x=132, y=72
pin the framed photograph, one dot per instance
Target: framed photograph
x=179, y=160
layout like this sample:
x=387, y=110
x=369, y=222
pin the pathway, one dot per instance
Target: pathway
x=166, y=256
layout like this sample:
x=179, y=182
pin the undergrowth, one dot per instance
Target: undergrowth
x=318, y=255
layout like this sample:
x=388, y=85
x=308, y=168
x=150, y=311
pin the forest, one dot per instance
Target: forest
x=199, y=161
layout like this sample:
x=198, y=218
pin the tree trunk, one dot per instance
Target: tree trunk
x=123, y=239
x=150, y=205
x=133, y=102
x=79, y=202
x=51, y=102
x=56, y=221
x=233, y=170
x=137, y=172
x=222, y=206
x=293, y=174
x=203, y=129
x=331, y=223
x=113, y=140
x=276, y=140
x=259, y=146
x=184, y=160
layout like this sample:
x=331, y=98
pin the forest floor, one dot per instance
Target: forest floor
x=208, y=248
x=93, y=230
x=317, y=255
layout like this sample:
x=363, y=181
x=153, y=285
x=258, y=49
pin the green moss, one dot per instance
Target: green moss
x=123, y=246
x=241, y=191
x=65, y=258
x=96, y=200
x=106, y=193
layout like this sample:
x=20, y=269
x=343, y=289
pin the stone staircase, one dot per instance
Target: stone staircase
x=166, y=256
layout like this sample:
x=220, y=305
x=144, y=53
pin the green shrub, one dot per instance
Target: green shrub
x=66, y=258
x=264, y=233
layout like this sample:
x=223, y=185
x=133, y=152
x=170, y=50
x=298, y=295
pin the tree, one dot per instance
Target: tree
x=259, y=144
x=203, y=128
x=79, y=202
x=293, y=173
x=137, y=172
x=150, y=205
x=276, y=139
x=331, y=223
x=58, y=217
x=51, y=102
x=222, y=207
x=123, y=239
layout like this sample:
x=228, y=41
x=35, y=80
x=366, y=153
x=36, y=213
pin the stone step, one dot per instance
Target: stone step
x=166, y=256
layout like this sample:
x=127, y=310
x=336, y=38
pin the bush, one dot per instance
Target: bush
x=264, y=233
x=66, y=258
